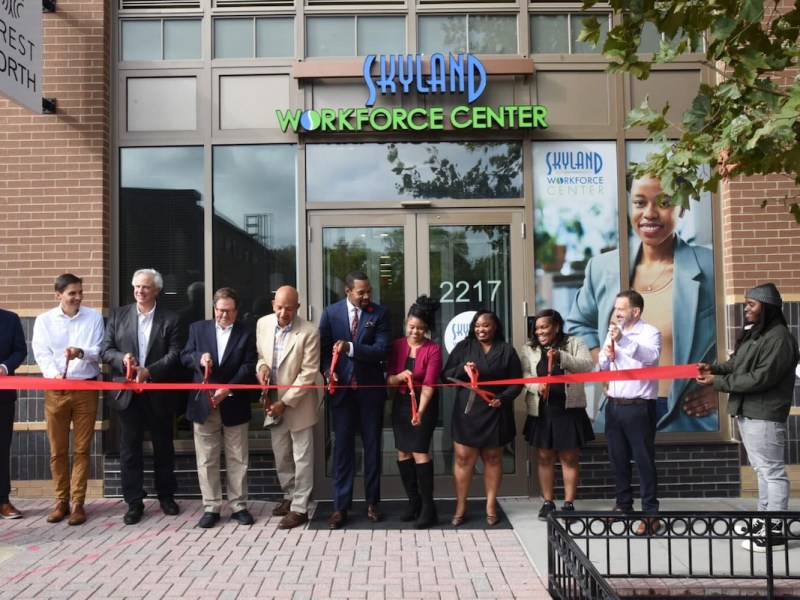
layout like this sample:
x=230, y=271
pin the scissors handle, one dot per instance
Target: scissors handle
x=413, y=396
x=66, y=367
x=331, y=379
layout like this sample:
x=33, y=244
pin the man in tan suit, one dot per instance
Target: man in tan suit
x=288, y=354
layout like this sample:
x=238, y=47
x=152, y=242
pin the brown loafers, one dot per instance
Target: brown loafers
x=374, y=513
x=648, y=526
x=78, y=516
x=292, y=520
x=59, y=512
x=283, y=508
x=9, y=511
x=338, y=519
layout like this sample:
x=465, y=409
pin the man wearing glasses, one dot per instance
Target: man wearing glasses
x=221, y=351
x=144, y=340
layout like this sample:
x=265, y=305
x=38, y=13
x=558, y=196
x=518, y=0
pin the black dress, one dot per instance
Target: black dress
x=484, y=426
x=407, y=437
x=557, y=427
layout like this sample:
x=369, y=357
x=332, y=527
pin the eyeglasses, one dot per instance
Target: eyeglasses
x=225, y=311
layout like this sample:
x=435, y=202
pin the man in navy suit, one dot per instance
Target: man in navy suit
x=148, y=337
x=12, y=353
x=228, y=348
x=359, y=330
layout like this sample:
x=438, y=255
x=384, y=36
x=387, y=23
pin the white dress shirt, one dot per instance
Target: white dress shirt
x=639, y=347
x=145, y=326
x=54, y=332
x=223, y=335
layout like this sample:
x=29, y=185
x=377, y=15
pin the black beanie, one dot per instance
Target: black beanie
x=767, y=293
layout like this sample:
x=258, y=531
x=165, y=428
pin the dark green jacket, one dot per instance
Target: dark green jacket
x=760, y=375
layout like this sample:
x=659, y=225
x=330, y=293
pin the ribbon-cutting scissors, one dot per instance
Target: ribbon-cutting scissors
x=545, y=393
x=474, y=390
x=66, y=366
x=412, y=394
x=209, y=395
x=331, y=378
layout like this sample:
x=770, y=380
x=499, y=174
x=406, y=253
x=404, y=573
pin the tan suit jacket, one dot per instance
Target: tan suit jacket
x=298, y=366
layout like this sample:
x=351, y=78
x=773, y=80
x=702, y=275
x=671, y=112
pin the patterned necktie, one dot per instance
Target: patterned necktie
x=354, y=328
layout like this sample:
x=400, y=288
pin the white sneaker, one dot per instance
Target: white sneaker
x=762, y=544
x=743, y=528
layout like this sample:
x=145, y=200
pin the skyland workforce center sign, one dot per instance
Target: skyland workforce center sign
x=403, y=74
x=20, y=52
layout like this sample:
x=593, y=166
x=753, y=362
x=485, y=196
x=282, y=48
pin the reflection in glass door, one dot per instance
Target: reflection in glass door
x=463, y=258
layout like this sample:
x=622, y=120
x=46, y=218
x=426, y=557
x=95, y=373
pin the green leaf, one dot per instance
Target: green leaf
x=752, y=11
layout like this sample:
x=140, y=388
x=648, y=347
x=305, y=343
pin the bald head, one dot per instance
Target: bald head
x=285, y=304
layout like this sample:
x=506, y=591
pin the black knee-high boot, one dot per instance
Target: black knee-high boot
x=427, y=515
x=408, y=474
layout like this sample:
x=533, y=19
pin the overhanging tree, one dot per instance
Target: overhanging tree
x=745, y=123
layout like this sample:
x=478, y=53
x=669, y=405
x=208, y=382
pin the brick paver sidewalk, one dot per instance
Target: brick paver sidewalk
x=169, y=557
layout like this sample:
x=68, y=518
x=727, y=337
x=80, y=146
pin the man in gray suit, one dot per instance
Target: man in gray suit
x=147, y=337
x=288, y=354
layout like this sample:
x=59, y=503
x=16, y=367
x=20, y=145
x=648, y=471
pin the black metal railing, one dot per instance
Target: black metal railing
x=598, y=555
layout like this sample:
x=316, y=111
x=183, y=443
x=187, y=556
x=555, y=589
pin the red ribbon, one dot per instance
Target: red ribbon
x=413, y=397
x=331, y=378
x=39, y=383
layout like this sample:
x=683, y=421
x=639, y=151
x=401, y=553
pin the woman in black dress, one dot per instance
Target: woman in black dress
x=557, y=424
x=418, y=358
x=488, y=426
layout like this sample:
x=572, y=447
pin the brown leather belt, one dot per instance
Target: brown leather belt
x=629, y=401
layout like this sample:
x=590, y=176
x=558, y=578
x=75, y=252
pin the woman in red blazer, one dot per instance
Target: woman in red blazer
x=420, y=359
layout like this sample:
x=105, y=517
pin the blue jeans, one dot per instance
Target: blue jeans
x=765, y=442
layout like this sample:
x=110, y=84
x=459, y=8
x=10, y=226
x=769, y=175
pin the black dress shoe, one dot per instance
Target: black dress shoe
x=134, y=514
x=170, y=507
x=374, y=513
x=243, y=517
x=208, y=520
x=338, y=519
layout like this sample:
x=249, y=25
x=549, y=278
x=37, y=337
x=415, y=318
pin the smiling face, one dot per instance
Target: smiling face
x=145, y=290
x=546, y=331
x=225, y=312
x=752, y=310
x=485, y=328
x=625, y=314
x=70, y=299
x=652, y=216
x=415, y=330
x=360, y=293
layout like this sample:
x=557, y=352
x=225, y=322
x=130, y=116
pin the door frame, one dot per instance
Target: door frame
x=416, y=221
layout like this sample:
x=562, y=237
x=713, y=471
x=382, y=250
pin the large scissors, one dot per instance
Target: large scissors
x=209, y=395
x=413, y=396
x=474, y=390
x=331, y=375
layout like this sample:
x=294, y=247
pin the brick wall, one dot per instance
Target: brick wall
x=54, y=168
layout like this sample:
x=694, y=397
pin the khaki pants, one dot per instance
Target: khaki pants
x=62, y=409
x=209, y=439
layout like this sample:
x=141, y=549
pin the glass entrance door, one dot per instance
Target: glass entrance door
x=468, y=260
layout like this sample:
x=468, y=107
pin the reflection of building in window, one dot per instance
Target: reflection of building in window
x=260, y=228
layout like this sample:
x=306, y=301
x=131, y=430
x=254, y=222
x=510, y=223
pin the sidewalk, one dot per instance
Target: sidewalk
x=168, y=557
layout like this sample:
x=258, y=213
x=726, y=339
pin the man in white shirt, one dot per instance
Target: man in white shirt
x=66, y=345
x=630, y=411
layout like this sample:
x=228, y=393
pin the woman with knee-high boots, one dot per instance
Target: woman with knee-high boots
x=418, y=359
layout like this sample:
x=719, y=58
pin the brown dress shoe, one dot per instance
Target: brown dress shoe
x=283, y=508
x=338, y=519
x=59, y=512
x=293, y=519
x=9, y=511
x=78, y=516
x=648, y=526
x=374, y=513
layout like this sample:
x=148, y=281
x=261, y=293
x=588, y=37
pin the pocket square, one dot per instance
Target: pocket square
x=369, y=324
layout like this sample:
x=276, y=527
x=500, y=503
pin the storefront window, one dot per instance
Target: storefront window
x=161, y=223
x=255, y=223
x=454, y=170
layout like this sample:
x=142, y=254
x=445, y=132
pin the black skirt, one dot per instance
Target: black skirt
x=410, y=438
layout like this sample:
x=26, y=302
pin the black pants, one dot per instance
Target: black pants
x=6, y=431
x=631, y=433
x=133, y=421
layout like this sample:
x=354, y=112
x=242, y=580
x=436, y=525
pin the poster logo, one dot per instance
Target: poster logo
x=13, y=7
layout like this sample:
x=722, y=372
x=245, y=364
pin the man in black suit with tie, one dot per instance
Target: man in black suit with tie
x=227, y=347
x=12, y=352
x=359, y=329
x=148, y=337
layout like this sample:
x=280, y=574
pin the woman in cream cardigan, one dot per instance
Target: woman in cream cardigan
x=557, y=424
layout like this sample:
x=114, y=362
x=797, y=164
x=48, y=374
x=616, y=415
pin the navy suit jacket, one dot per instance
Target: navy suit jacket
x=12, y=349
x=370, y=349
x=163, y=358
x=237, y=365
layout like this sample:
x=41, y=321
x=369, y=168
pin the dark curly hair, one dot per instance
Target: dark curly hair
x=424, y=308
x=558, y=321
x=498, y=334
